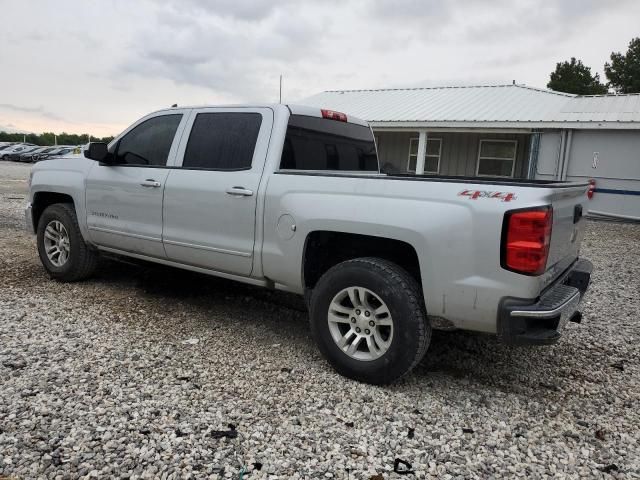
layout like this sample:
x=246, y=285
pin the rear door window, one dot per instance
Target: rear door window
x=222, y=141
x=314, y=143
x=149, y=143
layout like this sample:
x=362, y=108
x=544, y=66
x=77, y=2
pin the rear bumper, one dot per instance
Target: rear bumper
x=541, y=322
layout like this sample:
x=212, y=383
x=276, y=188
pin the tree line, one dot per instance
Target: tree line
x=622, y=72
x=49, y=138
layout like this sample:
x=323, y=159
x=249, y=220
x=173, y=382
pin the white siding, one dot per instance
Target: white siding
x=617, y=168
x=459, y=153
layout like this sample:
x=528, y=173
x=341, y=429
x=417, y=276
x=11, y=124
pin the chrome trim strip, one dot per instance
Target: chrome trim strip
x=28, y=218
x=205, y=247
x=230, y=276
x=574, y=300
x=126, y=234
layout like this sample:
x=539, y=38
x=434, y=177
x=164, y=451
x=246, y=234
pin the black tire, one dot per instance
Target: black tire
x=403, y=297
x=82, y=260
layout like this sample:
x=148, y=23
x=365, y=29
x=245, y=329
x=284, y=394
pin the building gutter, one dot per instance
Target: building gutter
x=563, y=138
x=534, y=150
x=567, y=155
x=501, y=125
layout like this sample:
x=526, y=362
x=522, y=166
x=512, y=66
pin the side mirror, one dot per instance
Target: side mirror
x=97, y=151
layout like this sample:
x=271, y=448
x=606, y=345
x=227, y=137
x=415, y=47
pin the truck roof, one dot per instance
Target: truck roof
x=293, y=108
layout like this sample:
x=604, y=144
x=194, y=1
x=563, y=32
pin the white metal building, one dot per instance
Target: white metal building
x=510, y=131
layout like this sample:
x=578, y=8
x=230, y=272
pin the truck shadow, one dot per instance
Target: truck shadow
x=453, y=355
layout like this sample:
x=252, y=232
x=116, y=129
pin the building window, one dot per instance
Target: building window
x=496, y=158
x=431, y=155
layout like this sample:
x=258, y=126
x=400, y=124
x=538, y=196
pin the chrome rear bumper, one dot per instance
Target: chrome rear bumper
x=542, y=322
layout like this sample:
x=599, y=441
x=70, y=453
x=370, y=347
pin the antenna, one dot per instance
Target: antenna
x=280, y=100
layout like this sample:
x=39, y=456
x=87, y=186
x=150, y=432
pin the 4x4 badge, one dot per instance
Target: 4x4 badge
x=475, y=194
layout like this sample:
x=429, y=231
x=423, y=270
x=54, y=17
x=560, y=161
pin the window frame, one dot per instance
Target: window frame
x=261, y=151
x=330, y=171
x=171, y=157
x=513, y=160
x=417, y=139
x=192, y=123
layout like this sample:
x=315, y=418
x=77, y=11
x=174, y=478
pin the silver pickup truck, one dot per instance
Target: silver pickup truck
x=292, y=198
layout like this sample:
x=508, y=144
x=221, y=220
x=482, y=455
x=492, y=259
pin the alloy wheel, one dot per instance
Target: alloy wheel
x=360, y=323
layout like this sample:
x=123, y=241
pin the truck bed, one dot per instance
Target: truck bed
x=516, y=182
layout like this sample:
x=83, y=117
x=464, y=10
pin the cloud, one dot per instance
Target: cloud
x=252, y=11
x=38, y=110
x=545, y=22
x=11, y=128
x=97, y=66
x=218, y=55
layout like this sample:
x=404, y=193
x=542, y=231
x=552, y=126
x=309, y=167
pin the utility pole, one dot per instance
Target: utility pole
x=55, y=139
x=280, y=100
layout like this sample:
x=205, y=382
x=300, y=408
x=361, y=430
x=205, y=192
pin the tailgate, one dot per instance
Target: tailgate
x=568, y=228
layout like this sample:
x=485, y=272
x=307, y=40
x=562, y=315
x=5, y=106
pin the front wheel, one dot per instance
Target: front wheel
x=369, y=321
x=63, y=252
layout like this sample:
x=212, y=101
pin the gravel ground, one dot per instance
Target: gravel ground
x=148, y=372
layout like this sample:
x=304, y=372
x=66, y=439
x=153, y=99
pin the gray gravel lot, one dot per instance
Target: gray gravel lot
x=149, y=372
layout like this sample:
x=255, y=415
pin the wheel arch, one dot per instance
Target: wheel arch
x=324, y=249
x=41, y=200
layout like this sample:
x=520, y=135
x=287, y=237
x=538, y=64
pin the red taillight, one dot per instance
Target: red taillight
x=592, y=189
x=527, y=239
x=331, y=115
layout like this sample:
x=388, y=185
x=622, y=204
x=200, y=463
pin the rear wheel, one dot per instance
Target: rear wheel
x=369, y=321
x=63, y=252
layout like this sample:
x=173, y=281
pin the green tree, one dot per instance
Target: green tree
x=49, y=138
x=575, y=77
x=623, y=72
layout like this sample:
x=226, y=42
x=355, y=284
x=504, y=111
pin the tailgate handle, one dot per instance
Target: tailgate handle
x=577, y=213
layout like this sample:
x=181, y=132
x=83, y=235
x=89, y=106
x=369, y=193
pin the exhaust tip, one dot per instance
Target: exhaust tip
x=576, y=318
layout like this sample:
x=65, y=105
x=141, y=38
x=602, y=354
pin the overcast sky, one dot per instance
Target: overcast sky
x=85, y=66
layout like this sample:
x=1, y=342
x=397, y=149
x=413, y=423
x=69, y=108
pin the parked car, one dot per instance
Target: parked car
x=292, y=198
x=20, y=147
x=32, y=156
x=56, y=152
x=15, y=156
x=27, y=156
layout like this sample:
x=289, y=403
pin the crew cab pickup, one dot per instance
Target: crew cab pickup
x=292, y=198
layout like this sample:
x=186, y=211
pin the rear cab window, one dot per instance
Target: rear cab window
x=321, y=144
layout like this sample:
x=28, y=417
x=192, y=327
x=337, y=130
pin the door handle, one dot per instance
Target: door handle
x=239, y=191
x=150, y=182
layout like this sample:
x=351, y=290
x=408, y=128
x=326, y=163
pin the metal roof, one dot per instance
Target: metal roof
x=601, y=108
x=504, y=106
